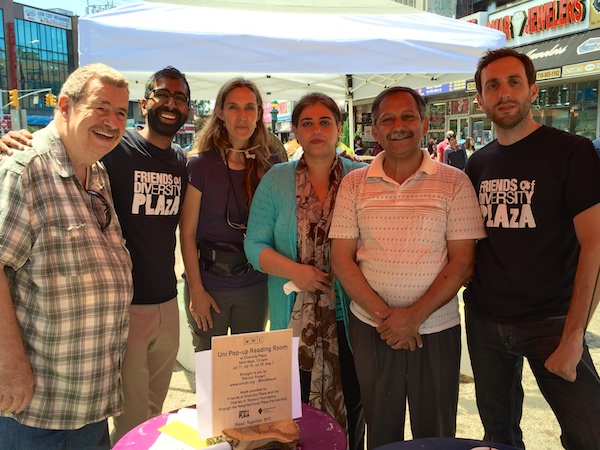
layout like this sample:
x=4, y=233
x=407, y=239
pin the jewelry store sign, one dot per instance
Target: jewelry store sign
x=540, y=20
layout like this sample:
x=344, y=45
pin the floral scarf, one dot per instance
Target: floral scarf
x=314, y=314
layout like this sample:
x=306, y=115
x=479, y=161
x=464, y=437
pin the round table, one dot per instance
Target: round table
x=318, y=431
x=443, y=444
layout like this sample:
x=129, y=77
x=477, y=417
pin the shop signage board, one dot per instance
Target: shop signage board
x=47, y=18
x=578, y=70
x=567, y=56
x=455, y=86
x=540, y=20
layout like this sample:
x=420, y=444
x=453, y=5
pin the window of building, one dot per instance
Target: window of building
x=43, y=59
x=569, y=107
x=3, y=66
x=585, y=109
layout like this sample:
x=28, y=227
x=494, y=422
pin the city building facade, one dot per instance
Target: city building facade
x=38, y=51
x=563, y=40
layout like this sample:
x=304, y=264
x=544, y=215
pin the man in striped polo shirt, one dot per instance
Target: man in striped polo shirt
x=403, y=238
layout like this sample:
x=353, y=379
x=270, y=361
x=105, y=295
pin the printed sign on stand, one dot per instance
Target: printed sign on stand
x=247, y=379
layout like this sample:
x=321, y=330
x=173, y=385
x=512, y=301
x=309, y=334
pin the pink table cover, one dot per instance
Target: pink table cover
x=318, y=431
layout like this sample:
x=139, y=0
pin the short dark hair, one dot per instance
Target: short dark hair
x=493, y=55
x=167, y=72
x=420, y=101
x=312, y=99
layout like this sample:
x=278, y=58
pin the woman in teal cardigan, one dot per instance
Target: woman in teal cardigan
x=287, y=238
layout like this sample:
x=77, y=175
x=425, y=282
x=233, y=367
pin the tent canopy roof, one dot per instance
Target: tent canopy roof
x=285, y=49
x=301, y=6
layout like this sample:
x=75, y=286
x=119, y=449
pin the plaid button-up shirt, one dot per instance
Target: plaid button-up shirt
x=70, y=284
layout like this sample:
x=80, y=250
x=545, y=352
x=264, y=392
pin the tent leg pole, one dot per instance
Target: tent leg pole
x=351, y=125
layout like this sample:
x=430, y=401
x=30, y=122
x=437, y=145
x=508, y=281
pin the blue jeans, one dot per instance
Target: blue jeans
x=14, y=436
x=497, y=352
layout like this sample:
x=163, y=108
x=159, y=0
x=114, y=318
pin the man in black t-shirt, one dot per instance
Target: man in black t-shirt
x=534, y=287
x=148, y=177
x=455, y=154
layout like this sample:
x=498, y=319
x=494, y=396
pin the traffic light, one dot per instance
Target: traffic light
x=13, y=96
x=50, y=100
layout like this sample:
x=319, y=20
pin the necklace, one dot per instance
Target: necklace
x=246, y=151
x=235, y=226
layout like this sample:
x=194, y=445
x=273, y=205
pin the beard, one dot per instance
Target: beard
x=507, y=122
x=165, y=129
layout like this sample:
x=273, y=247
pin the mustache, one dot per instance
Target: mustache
x=507, y=102
x=107, y=130
x=400, y=134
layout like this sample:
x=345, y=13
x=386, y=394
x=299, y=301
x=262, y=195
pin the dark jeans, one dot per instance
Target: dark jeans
x=354, y=410
x=497, y=353
x=15, y=436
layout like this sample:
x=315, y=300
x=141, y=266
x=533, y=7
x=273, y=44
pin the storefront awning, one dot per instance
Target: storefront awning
x=39, y=120
x=567, y=56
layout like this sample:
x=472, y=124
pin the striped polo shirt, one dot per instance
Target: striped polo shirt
x=403, y=231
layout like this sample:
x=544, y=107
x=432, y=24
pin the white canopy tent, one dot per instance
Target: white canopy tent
x=287, y=49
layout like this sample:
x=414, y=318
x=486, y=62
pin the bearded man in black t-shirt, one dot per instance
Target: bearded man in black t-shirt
x=534, y=287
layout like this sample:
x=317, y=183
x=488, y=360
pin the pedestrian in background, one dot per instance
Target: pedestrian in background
x=455, y=154
x=431, y=147
x=469, y=146
x=443, y=144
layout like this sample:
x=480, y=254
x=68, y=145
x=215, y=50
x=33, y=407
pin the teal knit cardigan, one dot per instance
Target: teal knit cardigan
x=272, y=223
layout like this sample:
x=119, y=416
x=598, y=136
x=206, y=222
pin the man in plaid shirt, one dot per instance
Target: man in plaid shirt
x=66, y=281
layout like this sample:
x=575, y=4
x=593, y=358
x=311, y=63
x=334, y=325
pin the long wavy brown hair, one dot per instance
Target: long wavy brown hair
x=214, y=135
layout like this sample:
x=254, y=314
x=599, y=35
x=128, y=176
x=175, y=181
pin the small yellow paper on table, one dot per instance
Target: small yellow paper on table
x=184, y=433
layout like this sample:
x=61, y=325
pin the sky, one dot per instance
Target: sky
x=77, y=6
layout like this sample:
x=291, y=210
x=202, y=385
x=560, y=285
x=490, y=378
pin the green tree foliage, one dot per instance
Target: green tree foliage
x=345, y=136
x=201, y=107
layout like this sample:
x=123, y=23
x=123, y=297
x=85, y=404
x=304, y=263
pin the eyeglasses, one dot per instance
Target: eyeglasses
x=162, y=95
x=101, y=209
x=235, y=226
